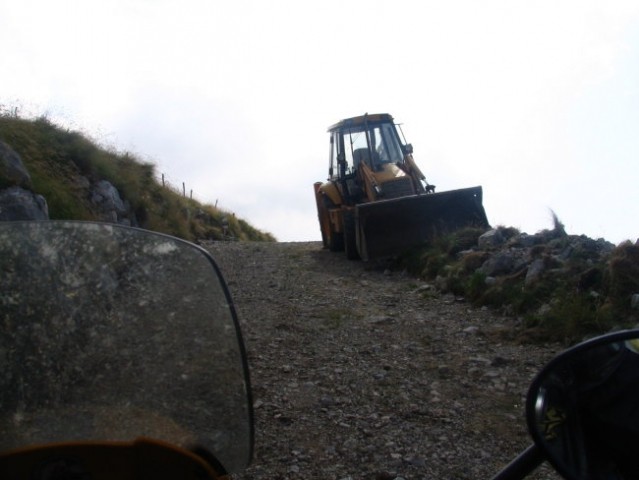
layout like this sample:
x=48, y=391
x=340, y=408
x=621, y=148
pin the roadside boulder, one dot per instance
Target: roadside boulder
x=491, y=239
x=110, y=206
x=12, y=170
x=16, y=203
x=535, y=270
x=502, y=263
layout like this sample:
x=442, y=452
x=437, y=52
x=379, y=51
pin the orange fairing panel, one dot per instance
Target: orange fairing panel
x=141, y=459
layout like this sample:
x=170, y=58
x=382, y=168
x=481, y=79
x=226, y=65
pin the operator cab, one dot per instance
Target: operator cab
x=369, y=139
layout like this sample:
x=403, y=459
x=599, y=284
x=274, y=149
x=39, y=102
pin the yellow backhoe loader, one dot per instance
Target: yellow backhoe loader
x=376, y=201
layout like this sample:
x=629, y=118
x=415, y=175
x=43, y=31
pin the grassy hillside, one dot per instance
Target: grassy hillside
x=60, y=161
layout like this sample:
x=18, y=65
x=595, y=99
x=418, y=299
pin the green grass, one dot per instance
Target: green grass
x=58, y=160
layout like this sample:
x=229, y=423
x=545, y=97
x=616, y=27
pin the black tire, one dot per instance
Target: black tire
x=350, y=239
x=336, y=242
x=324, y=240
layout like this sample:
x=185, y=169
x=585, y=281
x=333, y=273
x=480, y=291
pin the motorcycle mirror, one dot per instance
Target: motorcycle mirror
x=582, y=409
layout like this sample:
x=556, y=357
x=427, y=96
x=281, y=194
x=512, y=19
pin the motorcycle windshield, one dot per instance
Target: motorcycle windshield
x=110, y=333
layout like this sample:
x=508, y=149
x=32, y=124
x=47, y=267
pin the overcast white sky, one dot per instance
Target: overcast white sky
x=536, y=101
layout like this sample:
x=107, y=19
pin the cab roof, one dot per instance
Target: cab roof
x=358, y=121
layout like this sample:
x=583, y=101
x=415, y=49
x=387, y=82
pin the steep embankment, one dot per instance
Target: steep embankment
x=359, y=372
x=80, y=180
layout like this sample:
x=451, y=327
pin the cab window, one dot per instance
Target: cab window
x=387, y=145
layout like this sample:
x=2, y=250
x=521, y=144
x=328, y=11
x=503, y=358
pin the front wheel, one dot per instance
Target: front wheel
x=336, y=241
x=350, y=239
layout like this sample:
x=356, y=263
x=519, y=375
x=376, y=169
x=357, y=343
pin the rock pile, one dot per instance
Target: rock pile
x=545, y=277
x=553, y=251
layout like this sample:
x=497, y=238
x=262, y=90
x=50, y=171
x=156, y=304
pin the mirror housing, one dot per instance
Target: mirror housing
x=582, y=409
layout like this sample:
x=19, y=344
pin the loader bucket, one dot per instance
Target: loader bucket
x=386, y=228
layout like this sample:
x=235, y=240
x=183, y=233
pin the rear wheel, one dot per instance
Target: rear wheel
x=334, y=240
x=350, y=239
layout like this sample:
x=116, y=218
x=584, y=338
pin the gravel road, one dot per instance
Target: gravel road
x=362, y=373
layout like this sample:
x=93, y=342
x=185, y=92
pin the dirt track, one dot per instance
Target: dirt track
x=363, y=373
